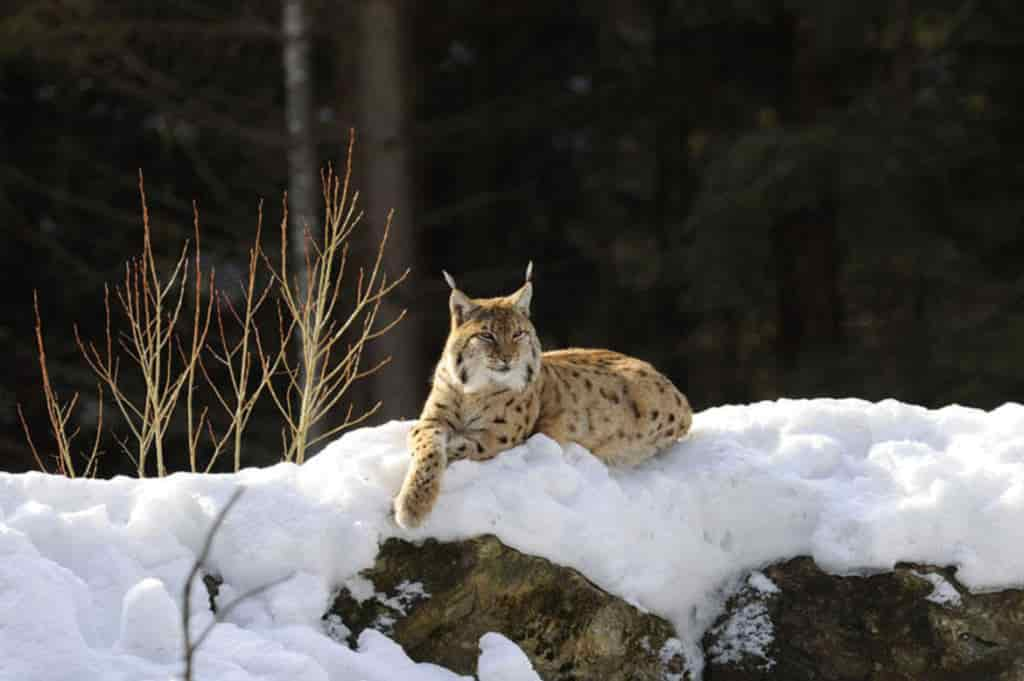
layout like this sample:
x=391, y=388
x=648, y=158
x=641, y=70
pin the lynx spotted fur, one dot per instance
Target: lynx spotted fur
x=493, y=388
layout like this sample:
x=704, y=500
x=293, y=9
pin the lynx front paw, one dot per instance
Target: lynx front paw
x=411, y=509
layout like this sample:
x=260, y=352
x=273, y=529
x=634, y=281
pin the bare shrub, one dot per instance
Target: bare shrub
x=59, y=415
x=330, y=339
x=324, y=322
x=237, y=356
x=151, y=309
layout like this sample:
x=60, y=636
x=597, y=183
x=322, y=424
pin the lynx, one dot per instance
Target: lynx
x=493, y=388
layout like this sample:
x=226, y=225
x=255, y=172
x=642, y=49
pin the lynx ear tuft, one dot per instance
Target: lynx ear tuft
x=521, y=298
x=529, y=271
x=461, y=306
x=459, y=303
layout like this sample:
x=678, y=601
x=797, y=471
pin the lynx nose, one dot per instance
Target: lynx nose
x=503, y=367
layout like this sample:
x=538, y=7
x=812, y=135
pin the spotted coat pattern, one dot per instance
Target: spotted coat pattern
x=493, y=388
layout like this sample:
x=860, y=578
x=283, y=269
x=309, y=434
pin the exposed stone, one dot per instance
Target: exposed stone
x=792, y=622
x=915, y=623
x=437, y=599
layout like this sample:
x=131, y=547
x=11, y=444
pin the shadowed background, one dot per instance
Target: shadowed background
x=763, y=199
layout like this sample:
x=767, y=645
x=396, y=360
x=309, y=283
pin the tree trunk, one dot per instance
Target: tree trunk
x=807, y=258
x=298, y=89
x=303, y=190
x=386, y=184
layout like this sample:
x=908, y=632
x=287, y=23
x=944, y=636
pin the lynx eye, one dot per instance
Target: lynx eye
x=519, y=335
x=487, y=337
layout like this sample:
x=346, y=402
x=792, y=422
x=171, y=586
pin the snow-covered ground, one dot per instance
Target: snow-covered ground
x=91, y=572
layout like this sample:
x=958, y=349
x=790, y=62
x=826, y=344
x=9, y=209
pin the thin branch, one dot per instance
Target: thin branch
x=314, y=383
x=152, y=310
x=186, y=609
x=31, y=444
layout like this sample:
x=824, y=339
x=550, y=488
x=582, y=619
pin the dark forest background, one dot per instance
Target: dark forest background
x=764, y=199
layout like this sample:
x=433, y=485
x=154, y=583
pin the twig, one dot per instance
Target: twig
x=315, y=382
x=58, y=414
x=152, y=309
x=237, y=356
x=222, y=613
x=31, y=444
x=186, y=609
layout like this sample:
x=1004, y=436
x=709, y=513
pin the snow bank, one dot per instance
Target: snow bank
x=502, y=660
x=91, y=572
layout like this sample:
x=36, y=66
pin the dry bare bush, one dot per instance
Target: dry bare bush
x=195, y=427
x=237, y=356
x=59, y=415
x=151, y=309
x=324, y=323
x=330, y=339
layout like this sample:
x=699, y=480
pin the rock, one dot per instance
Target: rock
x=437, y=599
x=792, y=621
x=915, y=623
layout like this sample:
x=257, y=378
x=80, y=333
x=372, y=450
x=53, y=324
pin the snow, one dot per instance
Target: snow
x=747, y=633
x=150, y=623
x=503, y=660
x=407, y=594
x=761, y=583
x=92, y=572
x=671, y=649
x=943, y=592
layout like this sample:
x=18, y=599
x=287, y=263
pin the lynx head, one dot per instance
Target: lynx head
x=492, y=343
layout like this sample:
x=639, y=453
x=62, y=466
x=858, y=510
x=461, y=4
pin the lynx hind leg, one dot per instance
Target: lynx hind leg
x=674, y=420
x=422, y=483
x=626, y=457
x=684, y=416
x=662, y=417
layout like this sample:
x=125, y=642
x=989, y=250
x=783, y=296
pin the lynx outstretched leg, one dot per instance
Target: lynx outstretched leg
x=423, y=480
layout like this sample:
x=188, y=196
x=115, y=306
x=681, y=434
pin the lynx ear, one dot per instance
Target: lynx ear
x=521, y=298
x=459, y=303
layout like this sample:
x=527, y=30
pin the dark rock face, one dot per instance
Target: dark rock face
x=915, y=623
x=570, y=629
x=878, y=628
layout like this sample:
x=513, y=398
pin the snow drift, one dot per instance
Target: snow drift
x=91, y=572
